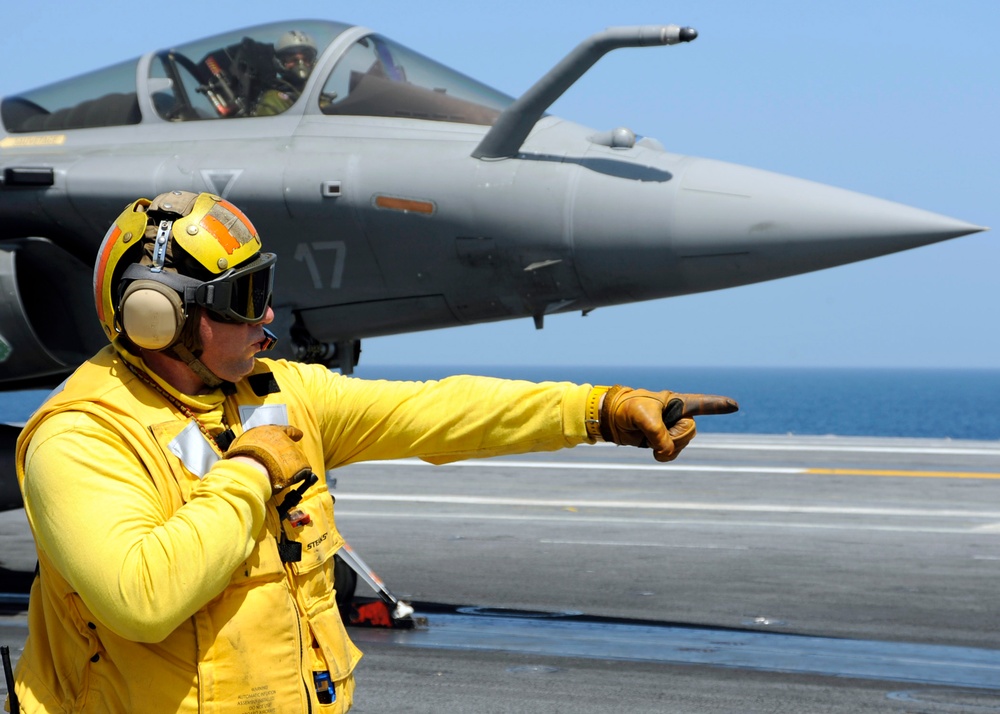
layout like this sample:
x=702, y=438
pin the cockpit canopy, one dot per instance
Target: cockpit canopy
x=249, y=73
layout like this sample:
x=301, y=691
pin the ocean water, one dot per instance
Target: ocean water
x=953, y=404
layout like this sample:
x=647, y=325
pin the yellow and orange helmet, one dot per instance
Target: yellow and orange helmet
x=162, y=257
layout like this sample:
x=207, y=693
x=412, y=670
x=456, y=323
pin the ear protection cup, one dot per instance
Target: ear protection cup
x=152, y=315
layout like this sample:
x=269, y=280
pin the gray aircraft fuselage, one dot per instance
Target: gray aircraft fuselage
x=399, y=196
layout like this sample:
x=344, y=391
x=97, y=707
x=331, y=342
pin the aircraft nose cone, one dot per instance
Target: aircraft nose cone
x=768, y=225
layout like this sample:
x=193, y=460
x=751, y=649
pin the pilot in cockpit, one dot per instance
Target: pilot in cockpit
x=295, y=56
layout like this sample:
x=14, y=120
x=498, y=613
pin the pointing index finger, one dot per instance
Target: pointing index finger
x=700, y=405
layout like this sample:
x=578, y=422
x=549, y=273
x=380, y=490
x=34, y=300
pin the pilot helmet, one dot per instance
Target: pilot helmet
x=296, y=54
x=164, y=258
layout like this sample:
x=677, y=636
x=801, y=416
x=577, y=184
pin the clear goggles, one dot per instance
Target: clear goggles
x=241, y=294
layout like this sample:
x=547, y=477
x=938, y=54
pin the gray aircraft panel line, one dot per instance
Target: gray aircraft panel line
x=756, y=573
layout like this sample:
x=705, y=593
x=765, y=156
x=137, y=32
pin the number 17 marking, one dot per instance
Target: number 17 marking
x=307, y=252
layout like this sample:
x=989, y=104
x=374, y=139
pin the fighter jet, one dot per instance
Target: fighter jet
x=400, y=195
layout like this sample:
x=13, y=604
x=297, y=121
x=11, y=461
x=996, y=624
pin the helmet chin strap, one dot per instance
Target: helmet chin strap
x=186, y=356
x=187, y=347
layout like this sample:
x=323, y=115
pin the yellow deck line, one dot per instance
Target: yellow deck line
x=905, y=474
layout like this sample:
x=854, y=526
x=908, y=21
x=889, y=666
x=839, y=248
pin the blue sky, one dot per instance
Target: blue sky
x=896, y=99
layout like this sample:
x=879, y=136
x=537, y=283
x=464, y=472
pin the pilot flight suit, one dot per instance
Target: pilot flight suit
x=274, y=101
x=161, y=584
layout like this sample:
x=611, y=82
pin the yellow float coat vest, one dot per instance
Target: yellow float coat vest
x=160, y=583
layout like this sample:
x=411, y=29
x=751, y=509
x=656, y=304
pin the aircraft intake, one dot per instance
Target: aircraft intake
x=47, y=321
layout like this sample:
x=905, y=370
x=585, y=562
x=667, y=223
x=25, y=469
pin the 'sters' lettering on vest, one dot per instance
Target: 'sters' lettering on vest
x=317, y=542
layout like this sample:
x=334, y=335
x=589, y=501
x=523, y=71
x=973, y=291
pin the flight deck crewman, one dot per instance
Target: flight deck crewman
x=154, y=479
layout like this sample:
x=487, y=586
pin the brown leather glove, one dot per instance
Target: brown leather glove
x=658, y=420
x=275, y=447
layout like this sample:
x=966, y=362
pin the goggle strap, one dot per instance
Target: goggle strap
x=174, y=281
